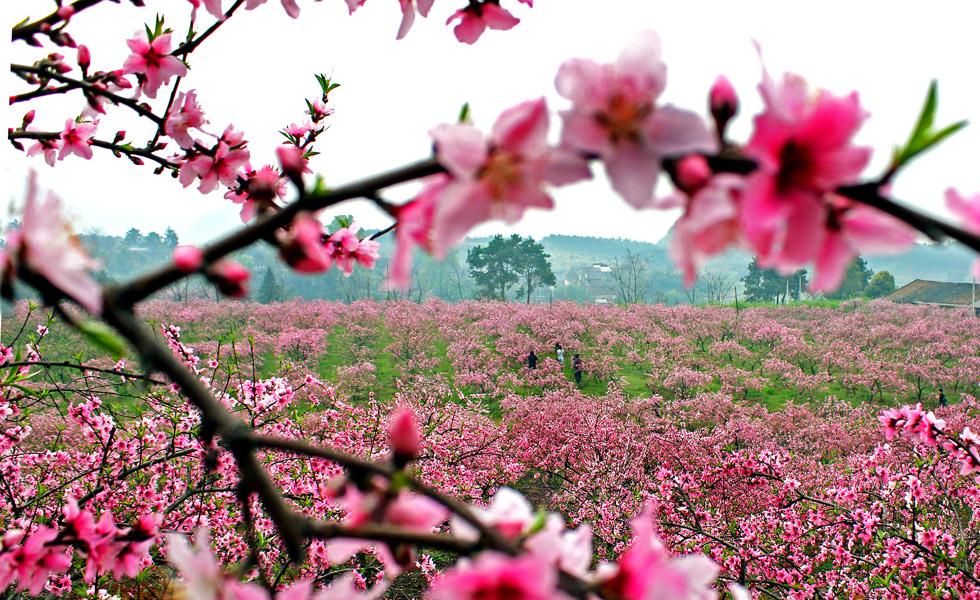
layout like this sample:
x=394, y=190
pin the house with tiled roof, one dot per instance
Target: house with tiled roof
x=937, y=293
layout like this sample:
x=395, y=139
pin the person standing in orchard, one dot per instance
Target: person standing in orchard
x=532, y=360
x=559, y=354
x=577, y=369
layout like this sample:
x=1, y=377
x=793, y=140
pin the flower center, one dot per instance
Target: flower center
x=623, y=116
x=501, y=172
x=796, y=166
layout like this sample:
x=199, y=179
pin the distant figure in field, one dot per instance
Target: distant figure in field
x=532, y=360
x=560, y=353
x=577, y=369
x=942, y=397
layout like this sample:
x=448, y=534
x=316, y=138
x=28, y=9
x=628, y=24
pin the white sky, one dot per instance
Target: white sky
x=257, y=69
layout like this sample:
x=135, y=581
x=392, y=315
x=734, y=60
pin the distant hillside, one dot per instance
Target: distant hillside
x=934, y=262
x=125, y=257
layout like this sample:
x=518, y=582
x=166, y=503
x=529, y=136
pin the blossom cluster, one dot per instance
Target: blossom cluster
x=32, y=557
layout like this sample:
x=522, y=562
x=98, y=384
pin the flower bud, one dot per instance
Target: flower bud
x=404, y=436
x=291, y=159
x=84, y=57
x=693, y=173
x=723, y=102
x=66, y=12
x=28, y=119
x=230, y=278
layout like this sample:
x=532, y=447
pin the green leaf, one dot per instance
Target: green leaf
x=923, y=137
x=320, y=185
x=464, y=113
x=104, y=337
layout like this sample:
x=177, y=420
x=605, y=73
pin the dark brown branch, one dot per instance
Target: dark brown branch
x=390, y=535
x=115, y=148
x=88, y=87
x=189, y=47
x=28, y=31
x=265, y=227
x=936, y=230
x=79, y=367
x=216, y=420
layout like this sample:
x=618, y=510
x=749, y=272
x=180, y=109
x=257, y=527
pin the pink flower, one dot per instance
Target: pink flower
x=188, y=258
x=185, y=115
x=802, y=145
x=497, y=576
x=710, y=224
x=367, y=253
x=318, y=110
x=292, y=161
x=499, y=177
x=230, y=278
x=201, y=575
x=303, y=246
x=647, y=572
x=45, y=245
x=34, y=561
x=223, y=167
x=509, y=512
x=47, y=147
x=152, y=60
x=571, y=550
x=476, y=18
x=851, y=229
x=77, y=139
x=414, y=513
x=614, y=114
x=968, y=210
x=258, y=192
x=404, y=435
x=415, y=229
x=345, y=244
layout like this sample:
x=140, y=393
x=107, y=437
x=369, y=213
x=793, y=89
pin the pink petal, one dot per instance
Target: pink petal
x=831, y=264
x=872, y=231
x=470, y=27
x=641, y=60
x=578, y=80
x=462, y=206
x=633, y=172
x=580, y=130
x=459, y=148
x=523, y=129
x=408, y=18
x=292, y=9
x=675, y=132
x=498, y=18
x=564, y=167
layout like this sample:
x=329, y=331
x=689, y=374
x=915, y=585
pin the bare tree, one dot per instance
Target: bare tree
x=452, y=259
x=630, y=277
x=716, y=286
x=421, y=282
x=692, y=292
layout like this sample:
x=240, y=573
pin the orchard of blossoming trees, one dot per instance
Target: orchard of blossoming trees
x=288, y=487
x=810, y=500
